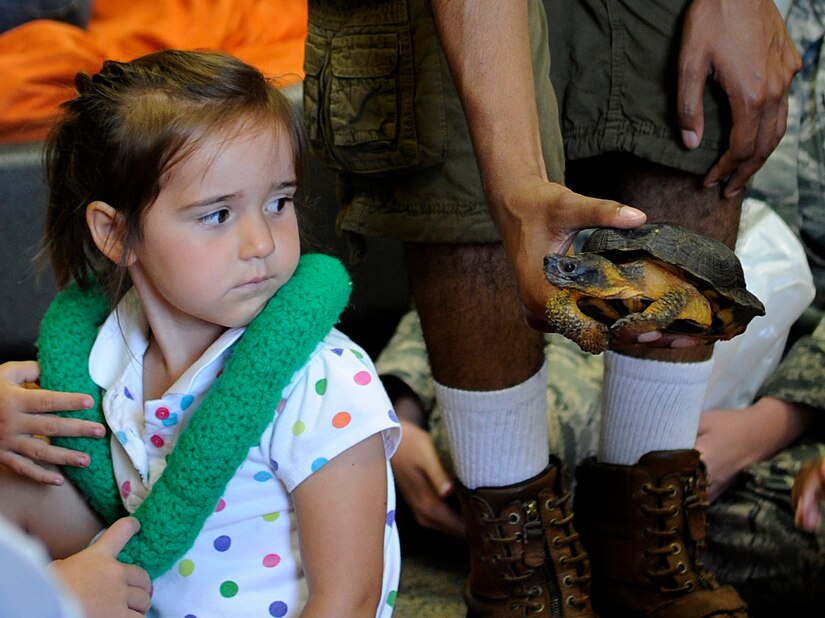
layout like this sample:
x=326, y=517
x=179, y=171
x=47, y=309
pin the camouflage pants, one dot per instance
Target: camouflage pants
x=754, y=545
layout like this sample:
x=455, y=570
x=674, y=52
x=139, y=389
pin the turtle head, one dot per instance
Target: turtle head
x=583, y=271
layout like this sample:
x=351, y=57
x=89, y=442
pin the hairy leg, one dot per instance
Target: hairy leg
x=665, y=195
x=57, y=515
x=472, y=320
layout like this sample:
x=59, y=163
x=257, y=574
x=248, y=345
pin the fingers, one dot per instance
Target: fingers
x=690, y=90
x=114, y=539
x=440, y=482
x=140, y=588
x=756, y=132
x=39, y=401
x=806, y=494
x=18, y=372
x=51, y=426
x=578, y=212
x=24, y=467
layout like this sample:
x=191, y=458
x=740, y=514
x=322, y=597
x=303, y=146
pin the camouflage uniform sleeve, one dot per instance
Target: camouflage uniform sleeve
x=798, y=378
x=405, y=357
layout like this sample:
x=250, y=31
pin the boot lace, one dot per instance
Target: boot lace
x=665, y=539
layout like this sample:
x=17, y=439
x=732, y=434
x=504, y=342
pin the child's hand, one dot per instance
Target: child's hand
x=25, y=415
x=105, y=587
x=807, y=493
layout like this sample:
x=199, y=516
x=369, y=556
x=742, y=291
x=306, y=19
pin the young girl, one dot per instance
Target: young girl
x=249, y=437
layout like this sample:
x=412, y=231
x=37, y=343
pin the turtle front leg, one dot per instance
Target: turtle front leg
x=565, y=317
x=657, y=316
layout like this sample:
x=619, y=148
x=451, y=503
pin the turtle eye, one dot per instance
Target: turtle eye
x=567, y=267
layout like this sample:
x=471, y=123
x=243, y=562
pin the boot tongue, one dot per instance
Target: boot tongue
x=663, y=463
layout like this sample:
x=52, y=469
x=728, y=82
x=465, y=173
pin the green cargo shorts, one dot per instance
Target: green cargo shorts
x=381, y=109
x=614, y=72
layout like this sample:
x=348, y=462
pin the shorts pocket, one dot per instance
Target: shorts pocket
x=359, y=102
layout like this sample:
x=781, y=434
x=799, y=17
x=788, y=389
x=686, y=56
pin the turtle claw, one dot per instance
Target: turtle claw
x=633, y=325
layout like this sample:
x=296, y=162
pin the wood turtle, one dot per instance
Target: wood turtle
x=654, y=277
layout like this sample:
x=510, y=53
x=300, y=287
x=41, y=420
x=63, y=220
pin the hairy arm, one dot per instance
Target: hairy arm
x=487, y=48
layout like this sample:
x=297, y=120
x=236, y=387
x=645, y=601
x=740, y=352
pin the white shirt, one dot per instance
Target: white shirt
x=245, y=561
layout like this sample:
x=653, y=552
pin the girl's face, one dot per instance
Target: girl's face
x=222, y=236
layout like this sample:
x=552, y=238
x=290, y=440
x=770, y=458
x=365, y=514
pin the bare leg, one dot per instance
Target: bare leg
x=57, y=515
x=472, y=320
x=648, y=474
x=486, y=363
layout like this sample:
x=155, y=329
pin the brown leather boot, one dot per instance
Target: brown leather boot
x=525, y=555
x=644, y=528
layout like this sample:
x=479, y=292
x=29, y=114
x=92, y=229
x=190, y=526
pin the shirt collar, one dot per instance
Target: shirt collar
x=124, y=337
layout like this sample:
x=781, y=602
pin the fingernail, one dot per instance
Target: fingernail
x=88, y=402
x=628, y=212
x=683, y=342
x=82, y=462
x=57, y=482
x=445, y=489
x=690, y=139
x=99, y=432
x=732, y=194
x=653, y=335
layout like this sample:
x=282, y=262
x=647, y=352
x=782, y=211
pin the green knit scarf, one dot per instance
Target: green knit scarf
x=274, y=346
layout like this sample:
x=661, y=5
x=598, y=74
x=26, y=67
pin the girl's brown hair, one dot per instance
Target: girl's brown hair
x=130, y=124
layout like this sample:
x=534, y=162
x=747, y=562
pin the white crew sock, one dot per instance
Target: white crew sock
x=649, y=406
x=497, y=438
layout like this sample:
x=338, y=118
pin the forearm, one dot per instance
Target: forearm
x=487, y=46
x=781, y=424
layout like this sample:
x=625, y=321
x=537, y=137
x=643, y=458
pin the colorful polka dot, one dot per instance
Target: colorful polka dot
x=278, y=609
x=127, y=393
x=319, y=463
x=338, y=351
x=341, y=420
x=162, y=413
x=190, y=616
x=270, y=517
x=186, y=402
x=274, y=464
x=321, y=386
x=186, y=567
x=229, y=589
x=263, y=476
x=391, y=598
x=298, y=428
x=121, y=437
x=126, y=489
x=281, y=406
x=390, y=517
x=358, y=354
x=362, y=378
x=157, y=441
x=393, y=416
x=221, y=505
x=271, y=560
x=222, y=543
x=172, y=420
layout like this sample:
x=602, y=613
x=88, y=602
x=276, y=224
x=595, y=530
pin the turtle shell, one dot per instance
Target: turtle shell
x=710, y=265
